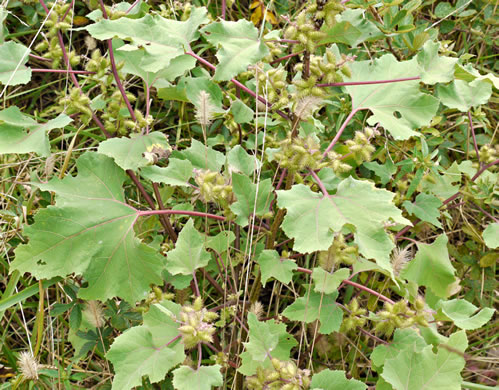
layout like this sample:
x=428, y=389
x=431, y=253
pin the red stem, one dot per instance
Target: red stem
x=38, y=57
x=132, y=7
x=340, y=131
x=180, y=212
x=238, y=84
x=67, y=11
x=368, y=290
x=224, y=6
x=368, y=82
x=357, y=285
x=319, y=182
x=286, y=57
x=115, y=70
x=67, y=71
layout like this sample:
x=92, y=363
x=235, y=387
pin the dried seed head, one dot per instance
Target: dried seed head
x=93, y=312
x=400, y=258
x=28, y=365
x=205, y=109
x=257, y=309
x=307, y=105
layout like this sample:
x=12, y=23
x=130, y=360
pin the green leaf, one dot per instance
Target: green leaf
x=333, y=380
x=463, y=96
x=239, y=46
x=203, y=378
x=251, y=198
x=189, y=253
x=242, y=113
x=150, y=349
x=443, y=9
x=412, y=369
x=21, y=134
x=425, y=207
x=491, y=235
x=162, y=39
x=352, y=28
x=384, y=171
x=13, y=57
x=265, y=338
x=468, y=73
x=90, y=232
x=442, y=184
x=221, y=242
x=398, y=107
x=315, y=306
x=432, y=267
x=177, y=173
x=194, y=86
x=461, y=312
x=128, y=153
x=403, y=339
x=272, y=266
x=312, y=218
x=435, y=69
x=326, y=282
x=135, y=62
x=201, y=157
x=240, y=161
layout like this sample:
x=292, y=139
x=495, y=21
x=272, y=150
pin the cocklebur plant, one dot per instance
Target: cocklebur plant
x=253, y=235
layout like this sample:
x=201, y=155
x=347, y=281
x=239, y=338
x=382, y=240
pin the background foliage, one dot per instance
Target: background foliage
x=263, y=195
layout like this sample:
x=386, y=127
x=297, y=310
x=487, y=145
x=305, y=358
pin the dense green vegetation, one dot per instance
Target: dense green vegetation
x=249, y=195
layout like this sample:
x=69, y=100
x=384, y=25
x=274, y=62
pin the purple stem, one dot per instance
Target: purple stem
x=368, y=290
x=172, y=341
x=67, y=11
x=286, y=57
x=200, y=355
x=132, y=7
x=238, y=84
x=368, y=82
x=38, y=57
x=319, y=182
x=44, y=7
x=357, y=285
x=39, y=70
x=115, y=70
x=180, y=212
x=340, y=131
x=474, y=138
x=486, y=213
x=483, y=169
x=148, y=105
x=224, y=6
x=196, y=286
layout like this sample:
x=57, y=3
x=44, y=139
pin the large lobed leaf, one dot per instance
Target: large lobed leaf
x=13, y=57
x=432, y=267
x=189, y=253
x=399, y=107
x=239, y=44
x=150, y=349
x=128, y=153
x=90, y=232
x=163, y=39
x=312, y=218
x=21, y=134
x=251, y=198
x=414, y=368
x=265, y=339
